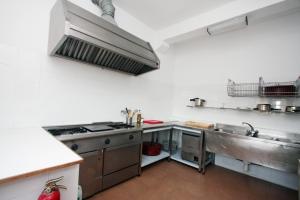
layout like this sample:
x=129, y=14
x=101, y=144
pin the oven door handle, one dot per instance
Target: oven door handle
x=122, y=146
x=91, y=153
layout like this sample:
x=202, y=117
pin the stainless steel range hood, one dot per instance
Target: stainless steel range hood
x=80, y=35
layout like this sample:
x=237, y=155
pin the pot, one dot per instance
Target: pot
x=198, y=102
x=292, y=109
x=264, y=107
x=151, y=148
x=277, y=105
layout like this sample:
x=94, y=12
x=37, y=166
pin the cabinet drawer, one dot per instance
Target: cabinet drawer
x=122, y=139
x=117, y=158
x=120, y=176
x=86, y=145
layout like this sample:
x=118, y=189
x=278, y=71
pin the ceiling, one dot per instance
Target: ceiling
x=158, y=14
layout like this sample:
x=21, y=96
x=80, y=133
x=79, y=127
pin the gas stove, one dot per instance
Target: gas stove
x=67, y=131
x=87, y=128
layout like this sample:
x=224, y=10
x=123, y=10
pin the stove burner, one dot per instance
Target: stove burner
x=67, y=131
x=94, y=127
x=119, y=125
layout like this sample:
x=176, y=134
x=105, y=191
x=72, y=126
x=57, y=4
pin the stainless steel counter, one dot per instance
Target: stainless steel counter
x=262, y=148
x=88, y=134
x=299, y=179
x=273, y=149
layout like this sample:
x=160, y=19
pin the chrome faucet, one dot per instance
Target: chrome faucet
x=252, y=132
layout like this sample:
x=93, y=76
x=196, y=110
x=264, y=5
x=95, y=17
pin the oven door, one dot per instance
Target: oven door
x=90, y=173
x=120, y=157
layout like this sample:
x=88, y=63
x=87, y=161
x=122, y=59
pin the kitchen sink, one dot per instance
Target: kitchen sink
x=232, y=129
x=278, y=150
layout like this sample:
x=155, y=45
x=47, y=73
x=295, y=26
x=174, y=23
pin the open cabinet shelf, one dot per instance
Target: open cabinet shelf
x=147, y=160
x=177, y=156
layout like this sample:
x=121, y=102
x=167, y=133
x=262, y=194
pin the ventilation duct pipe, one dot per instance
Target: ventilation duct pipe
x=108, y=10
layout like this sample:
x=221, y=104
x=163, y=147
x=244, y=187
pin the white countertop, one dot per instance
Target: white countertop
x=29, y=151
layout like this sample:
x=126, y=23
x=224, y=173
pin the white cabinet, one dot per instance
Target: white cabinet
x=30, y=188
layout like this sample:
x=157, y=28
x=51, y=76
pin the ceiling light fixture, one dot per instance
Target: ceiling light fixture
x=229, y=25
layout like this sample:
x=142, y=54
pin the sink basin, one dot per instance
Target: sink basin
x=232, y=129
x=240, y=130
x=277, y=150
x=268, y=137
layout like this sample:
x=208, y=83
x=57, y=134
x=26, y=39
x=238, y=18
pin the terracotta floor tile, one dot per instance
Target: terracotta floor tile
x=174, y=181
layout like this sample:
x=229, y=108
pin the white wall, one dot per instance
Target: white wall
x=36, y=89
x=40, y=90
x=202, y=67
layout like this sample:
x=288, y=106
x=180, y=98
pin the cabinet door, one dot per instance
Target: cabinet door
x=117, y=158
x=190, y=143
x=120, y=176
x=90, y=173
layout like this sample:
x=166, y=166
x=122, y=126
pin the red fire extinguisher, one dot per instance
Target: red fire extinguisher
x=51, y=190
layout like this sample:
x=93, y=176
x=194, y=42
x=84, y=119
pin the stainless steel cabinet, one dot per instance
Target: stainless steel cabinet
x=107, y=160
x=120, y=176
x=121, y=161
x=272, y=154
x=299, y=179
x=90, y=173
x=191, y=147
x=120, y=157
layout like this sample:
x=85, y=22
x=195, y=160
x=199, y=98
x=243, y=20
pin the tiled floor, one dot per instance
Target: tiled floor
x=174, y=181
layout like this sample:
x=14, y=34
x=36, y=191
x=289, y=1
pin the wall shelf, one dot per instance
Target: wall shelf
x=245, y=110
x=264, y=89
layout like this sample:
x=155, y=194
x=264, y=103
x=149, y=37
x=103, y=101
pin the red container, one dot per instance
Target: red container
x=280, y=90
x=151, y=148
x=153, y=122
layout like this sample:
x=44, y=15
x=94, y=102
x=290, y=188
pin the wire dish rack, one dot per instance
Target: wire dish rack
x=264, y=89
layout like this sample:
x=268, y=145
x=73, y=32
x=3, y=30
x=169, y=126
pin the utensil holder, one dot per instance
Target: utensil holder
x=129, y=120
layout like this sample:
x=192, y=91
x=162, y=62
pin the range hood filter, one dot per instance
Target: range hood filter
x=78, y=34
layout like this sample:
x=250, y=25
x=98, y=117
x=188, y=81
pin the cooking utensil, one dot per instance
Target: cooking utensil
x=198, y=102
x=292, y=109
x=263, y=107
x=277, y=105
x=151, y=148
x=134, y=112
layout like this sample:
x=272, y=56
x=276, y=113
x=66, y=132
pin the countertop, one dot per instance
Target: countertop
x=299, y=179
x=175, y=124
x=30, y=151
x=22, y=158
x=142, y=127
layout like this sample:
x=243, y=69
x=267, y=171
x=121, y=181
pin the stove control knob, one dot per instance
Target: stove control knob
x=74, y=147
x=107, y=141
x=131, y=137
